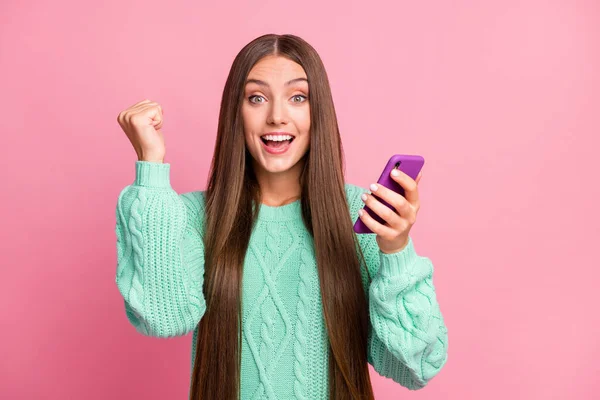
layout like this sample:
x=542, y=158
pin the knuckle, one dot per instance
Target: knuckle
x=387, y=213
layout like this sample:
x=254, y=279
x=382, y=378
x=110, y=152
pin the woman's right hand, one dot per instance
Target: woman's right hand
x=142, y=123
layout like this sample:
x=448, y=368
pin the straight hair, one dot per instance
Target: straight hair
x=232, y=203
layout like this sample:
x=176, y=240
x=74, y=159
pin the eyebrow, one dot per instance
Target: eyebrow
x=263, y=83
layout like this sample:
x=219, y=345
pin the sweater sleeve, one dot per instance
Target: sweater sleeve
x=160, y=253
x=408, y=340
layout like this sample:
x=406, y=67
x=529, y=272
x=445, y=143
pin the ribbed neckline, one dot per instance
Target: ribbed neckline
x=286, y=212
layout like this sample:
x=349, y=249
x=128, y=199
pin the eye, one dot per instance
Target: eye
x=299, y=95
x=253, y=96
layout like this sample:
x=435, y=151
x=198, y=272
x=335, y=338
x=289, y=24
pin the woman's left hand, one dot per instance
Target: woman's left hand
x=393, y=236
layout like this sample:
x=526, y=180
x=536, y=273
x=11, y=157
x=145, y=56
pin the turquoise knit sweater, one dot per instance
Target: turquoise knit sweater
x=160, y=274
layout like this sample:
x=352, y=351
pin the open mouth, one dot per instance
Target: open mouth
x=277, y=141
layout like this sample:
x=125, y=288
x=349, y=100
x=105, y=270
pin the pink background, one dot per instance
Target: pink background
x=501, y=98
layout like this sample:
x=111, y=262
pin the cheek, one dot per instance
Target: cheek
x=247, y=131
x=249, y=113
x=307, y=118
x=249, y=124
x=302, y=119
x=246, y=117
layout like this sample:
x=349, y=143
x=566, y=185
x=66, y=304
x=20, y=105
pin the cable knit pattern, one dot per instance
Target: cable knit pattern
x=134, y=225
x=160, y=264
x=160, y=274
x=302, y=325
x=408, y=341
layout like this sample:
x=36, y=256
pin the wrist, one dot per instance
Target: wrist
x=152, y=174
x=155, y=160
x=395, y=250
x=397, y=263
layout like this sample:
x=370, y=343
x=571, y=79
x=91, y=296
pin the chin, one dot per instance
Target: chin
x=278, y=166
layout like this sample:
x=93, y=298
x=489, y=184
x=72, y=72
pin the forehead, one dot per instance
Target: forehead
x=276, y=70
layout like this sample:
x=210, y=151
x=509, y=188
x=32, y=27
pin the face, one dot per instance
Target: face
x=276, y=115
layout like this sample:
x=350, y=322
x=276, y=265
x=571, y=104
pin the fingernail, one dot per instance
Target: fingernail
x=395, y=172
x=361, y=212
x=373, y=187
x=364, y=197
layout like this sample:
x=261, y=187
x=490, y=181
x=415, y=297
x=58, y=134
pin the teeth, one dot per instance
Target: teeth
x=277, y=138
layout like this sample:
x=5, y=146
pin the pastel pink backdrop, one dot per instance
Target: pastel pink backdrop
x=501, y=98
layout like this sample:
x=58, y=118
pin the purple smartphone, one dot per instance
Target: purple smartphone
x=410, y=165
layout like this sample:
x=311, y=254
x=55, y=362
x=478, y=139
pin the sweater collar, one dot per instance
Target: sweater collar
x=286, y=212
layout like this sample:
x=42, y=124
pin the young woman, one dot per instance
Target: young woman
x=283, y=298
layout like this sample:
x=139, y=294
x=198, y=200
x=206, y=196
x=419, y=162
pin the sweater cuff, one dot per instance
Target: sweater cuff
x=397, y=263
x=152, y=174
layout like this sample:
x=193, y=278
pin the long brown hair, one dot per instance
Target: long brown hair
x=232, y=203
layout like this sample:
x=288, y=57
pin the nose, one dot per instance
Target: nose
x=277, y=114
